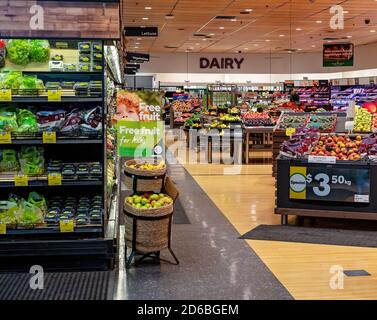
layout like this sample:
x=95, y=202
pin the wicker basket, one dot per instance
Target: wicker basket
x=151, y=235
x=154, y=180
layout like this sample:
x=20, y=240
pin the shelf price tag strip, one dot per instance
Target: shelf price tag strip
x=21, y=180
x=54, y=179
x=3, y=228
x=66, y=226
x=49, y=137
x=5, y=95
x=54, y=95
x=5, y=138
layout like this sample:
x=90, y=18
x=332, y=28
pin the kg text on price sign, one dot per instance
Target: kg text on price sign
x=322, y=183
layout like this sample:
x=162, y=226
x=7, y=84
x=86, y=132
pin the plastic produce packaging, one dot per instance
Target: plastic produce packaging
x=19, y=51
x=27, y=122
x=50, y=120
x=8, y=121
x=8, y=161
x=8, y=212
x=32, y=161
x=40, y=50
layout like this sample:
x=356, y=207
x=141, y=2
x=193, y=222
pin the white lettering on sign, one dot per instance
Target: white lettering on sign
x=222, y=63
x=37, y=20
x=142, y=131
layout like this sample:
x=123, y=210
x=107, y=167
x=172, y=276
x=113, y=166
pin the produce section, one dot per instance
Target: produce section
x=52, y=162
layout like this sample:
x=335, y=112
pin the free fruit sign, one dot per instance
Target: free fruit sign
x=140, y=139
x=329, y=183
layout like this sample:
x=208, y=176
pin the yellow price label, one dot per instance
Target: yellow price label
x=66, y=226
x=54, y=95
x=54, y=179
x=3, y=228
x=21, y=180
x=290, y=131
x=49, y=137
x=5, y=138
x=5, y=95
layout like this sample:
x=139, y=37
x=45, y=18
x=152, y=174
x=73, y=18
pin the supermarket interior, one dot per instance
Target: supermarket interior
x=188, y=150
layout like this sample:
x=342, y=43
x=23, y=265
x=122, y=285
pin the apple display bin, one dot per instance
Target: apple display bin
x=286, y=206
x=144, y=180
x=148, y=231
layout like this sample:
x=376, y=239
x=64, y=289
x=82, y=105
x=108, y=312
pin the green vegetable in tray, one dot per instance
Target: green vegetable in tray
x=27, y=122
x=29, y=214
x=8, y=160
x=32, y=161
x=8, y=121
x=8, y=212
x=19, y=51
x=30, y=85
x=40, y=50
x=10, y=80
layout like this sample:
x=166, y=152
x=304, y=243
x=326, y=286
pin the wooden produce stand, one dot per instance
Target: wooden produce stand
x=345, y=189
x=257, y=139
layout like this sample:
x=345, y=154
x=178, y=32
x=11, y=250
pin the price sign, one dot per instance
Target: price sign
x=5, y=138
x=3, y=228
x=54, y=179
x=21, y=180
x=322, y=183
x=290, y=131
x=49, y=137
x=66, y=226
x=54, y=95
x=5, y=95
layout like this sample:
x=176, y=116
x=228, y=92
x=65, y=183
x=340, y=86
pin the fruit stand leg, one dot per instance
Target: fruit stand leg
x=284, y=219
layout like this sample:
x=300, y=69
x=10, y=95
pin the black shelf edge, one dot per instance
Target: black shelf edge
x=65, y=72
x=59, y=141
x=44, y=183
x=45, y=100
x=51, y=230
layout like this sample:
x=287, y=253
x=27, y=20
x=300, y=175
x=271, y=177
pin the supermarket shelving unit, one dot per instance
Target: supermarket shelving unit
x=90, y=246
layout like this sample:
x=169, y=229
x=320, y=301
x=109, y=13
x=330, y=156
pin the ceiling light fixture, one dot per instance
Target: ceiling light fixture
x=318, y=21
x=148, y=8
x=268, y=40
x=169, y=16
x=298, y=29
x=349, y=37
x=281, y=35
x=313, y=45
x=373, y=31
x=233, y=20
x=221, y=28
x=249, y=10
x=145, y=18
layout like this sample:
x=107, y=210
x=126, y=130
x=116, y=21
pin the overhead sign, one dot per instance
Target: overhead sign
x=141, y=32
x=137, y=57
x=338, y=55
x=321, y=183
x=221, y=63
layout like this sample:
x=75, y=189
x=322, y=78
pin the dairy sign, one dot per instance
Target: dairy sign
x=140, y=129
x=223, y=63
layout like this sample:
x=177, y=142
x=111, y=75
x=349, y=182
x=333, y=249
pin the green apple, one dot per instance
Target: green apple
x=144, y=201
x=154, y=197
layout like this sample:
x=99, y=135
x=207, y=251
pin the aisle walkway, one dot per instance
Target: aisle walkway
x=214, y=263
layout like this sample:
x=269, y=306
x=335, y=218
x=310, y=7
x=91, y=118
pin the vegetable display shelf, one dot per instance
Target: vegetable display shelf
x=345, y=189
x=86, y=246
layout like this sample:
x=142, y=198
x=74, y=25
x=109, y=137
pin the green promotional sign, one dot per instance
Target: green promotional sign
x=140, y=139
x=338, y=55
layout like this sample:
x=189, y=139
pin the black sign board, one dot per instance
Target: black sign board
x=133, y=66
x=318, y=183
x=137, y=57
x=141, y=32
x=323, y=83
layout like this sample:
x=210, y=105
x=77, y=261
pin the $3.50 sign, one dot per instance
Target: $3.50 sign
x=323, y=183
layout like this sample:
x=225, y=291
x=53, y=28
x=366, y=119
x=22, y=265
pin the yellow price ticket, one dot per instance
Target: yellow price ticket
x=49, y=137
x=66, y=226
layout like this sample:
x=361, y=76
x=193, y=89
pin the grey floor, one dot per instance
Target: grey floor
x=214, y=263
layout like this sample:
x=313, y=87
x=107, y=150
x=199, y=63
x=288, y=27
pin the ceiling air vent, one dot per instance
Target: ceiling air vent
x=199, y=35
x=331, y=39
x=225, y=17
x=171, y=47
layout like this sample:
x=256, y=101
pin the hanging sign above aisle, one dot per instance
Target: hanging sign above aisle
x=338, y=55
x=329, y=183
x=137, y=57
x=141, y=32
x=221, y=63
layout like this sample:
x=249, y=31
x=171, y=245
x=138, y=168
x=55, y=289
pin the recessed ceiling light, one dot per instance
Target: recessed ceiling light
x=221, y=28
x=345, y=11
x=299, y=49
x=256, y=44
x=137, y=43
x=148, y=8
x=211, y=34
x=145, y=18
x=298, y=29
x=373, y=31
x=268, y=40
x=204, y=39
x=136, y=47
x=313, y=45
x=318, y=21
x=249, y=10
x=349, y=37
x=234, y=20
x=281, y=35
x=246, y=48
